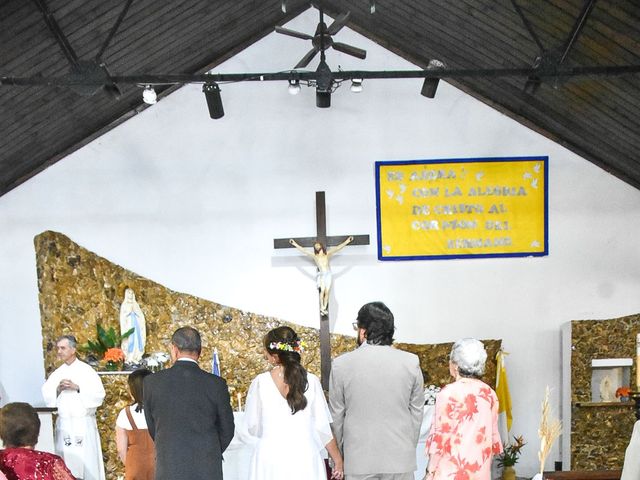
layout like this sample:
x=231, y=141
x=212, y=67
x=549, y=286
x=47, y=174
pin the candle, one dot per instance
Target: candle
x=239, y=397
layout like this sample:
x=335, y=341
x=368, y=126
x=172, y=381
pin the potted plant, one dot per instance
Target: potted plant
x=509, y=457
x=106, y=340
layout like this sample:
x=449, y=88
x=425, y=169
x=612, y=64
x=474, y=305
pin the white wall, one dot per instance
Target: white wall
x=194, y=204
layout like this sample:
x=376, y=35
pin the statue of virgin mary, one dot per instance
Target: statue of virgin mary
x=132, y=317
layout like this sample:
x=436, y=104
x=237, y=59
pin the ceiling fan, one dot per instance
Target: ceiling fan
x=323, y=39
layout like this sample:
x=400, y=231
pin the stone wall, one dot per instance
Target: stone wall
x=600, y=432
x=78, y=290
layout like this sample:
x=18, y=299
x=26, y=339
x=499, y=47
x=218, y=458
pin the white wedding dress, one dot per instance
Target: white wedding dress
x=289, y=446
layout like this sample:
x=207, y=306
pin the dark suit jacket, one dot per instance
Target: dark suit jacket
x=190, y=419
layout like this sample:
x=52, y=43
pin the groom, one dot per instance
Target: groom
x=376, y=400
x=188, y=414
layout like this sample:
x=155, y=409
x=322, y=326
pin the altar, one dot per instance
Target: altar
x=233, y=333
x=237, y=457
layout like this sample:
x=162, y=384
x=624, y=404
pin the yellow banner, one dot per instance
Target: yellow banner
x=481, y=207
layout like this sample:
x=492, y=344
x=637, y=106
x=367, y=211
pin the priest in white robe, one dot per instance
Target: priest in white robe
x=76, y=390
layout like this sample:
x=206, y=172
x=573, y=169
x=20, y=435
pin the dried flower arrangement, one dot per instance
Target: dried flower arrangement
x=549, y=431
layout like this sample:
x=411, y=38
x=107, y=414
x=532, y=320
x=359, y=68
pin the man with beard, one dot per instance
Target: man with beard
x=376, y=400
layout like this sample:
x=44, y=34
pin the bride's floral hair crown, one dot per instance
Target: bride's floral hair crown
x=297, y=346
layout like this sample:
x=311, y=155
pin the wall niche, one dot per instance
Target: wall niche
x=598, y=359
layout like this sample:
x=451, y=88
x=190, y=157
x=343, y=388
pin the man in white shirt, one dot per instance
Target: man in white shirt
x=76, y=390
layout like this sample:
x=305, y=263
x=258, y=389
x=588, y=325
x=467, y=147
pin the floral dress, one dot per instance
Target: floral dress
x=464, y=433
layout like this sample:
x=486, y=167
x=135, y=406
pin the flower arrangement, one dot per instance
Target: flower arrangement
x=549, y=431
x=105, y=340
x=114, y=354
x=297, y=346
x=156, y=361
x=430, y=394
x=113, y=358
x=623, y=393
x=511, y=453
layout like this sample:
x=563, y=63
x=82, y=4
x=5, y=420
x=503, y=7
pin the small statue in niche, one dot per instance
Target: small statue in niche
x=131, y=316
x=606, y=390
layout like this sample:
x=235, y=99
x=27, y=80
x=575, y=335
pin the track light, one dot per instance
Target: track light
x=430, y=85
x=324, y=82
x=149, y=95
x=214, y=100
x=294, y=87
x=112, y=90
x=356, y=85
x=534, y=81
x=323, y=98
x=532, y=85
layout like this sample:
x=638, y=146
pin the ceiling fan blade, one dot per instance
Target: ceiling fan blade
x=338, y=23
x=350, y=50
x=293, y=33
x=307, y=58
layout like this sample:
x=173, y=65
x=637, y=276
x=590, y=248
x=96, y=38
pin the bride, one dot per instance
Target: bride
x=287, y=411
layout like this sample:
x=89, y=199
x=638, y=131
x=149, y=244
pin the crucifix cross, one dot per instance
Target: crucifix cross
x=325, y=243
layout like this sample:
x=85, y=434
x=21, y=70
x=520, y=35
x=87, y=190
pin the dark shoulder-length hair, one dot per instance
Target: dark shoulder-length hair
x=285, y=344
x=377, y=321
x=19, y=425
x=135, y=382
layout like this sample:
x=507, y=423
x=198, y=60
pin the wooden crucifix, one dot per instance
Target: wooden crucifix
x=321, y=257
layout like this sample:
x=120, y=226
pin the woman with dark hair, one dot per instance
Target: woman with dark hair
x=464, y=433
x=134, y=444
x=287, y=411
x=19, y=430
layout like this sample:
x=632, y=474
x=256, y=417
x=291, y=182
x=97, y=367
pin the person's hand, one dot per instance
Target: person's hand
x=337, y=472
x=67, y=384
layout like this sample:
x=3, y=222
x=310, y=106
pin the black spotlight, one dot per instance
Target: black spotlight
x=532, y=85
x=112, y=90
x=430, y=85
x=323, y=98
x=214, y=100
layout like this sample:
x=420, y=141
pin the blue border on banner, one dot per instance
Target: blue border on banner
x=543, y=158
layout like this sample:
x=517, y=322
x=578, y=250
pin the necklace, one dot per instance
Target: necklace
x=279, y=373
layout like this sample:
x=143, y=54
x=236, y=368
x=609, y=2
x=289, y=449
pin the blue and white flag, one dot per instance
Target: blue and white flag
x=215, y=364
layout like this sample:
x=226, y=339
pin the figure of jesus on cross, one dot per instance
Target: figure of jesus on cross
x=323, y=247
x=320, y=255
